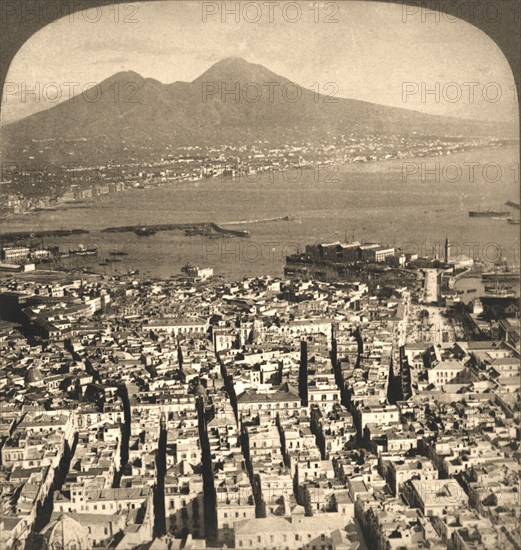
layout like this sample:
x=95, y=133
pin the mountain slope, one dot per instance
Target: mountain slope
x=233, y=101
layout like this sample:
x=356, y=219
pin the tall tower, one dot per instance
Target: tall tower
x=447, y=250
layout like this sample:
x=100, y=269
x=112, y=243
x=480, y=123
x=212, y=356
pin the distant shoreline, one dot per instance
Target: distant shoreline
x=373, y=166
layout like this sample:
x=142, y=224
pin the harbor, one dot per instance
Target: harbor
x=280, y=215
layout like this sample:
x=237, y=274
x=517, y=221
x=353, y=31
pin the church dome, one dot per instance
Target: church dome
x=34, y=374
x=66, y=532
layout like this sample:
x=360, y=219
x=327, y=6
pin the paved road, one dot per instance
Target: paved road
x=431, y=286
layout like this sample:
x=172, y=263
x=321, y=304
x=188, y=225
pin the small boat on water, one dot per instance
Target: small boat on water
x=118, y=253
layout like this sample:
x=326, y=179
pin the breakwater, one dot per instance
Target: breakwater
x=204, y=228
x=24, y=235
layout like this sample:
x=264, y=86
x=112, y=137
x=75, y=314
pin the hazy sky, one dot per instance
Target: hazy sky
x=371, y=53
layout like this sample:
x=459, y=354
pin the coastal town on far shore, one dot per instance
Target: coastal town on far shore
x=356, y=403
x=35, y=182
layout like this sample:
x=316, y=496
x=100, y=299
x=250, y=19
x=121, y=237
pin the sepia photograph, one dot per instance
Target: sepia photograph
x=260, y=275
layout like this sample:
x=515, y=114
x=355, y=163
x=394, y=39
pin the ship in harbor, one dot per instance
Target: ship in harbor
x=489, y=214
x=499, y=291
x=502, y=280
x=82, y=250
x=502, y=276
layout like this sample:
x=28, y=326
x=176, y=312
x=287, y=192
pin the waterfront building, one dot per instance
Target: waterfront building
x=15, y=254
